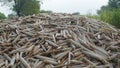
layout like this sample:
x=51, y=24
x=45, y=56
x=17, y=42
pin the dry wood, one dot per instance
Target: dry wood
x=58, y=40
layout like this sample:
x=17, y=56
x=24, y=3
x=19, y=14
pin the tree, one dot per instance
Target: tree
x=24, y=7
x=102, y=9
x=28, y=7
x=2, y=16
x=112, y=4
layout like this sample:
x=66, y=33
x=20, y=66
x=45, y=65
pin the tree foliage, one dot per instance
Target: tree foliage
x=112, y=4
x=2, y=16
x=24, y=7
x=28, y=7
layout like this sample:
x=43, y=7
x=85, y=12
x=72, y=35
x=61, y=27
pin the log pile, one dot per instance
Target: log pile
x=58, y=41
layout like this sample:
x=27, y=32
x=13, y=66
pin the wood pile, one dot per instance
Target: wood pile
x=58, y=41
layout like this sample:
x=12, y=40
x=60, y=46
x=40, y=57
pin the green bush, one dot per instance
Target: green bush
x=112, y=17
x=2, y=16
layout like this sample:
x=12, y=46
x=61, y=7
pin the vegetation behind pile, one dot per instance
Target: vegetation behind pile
x=111, y=13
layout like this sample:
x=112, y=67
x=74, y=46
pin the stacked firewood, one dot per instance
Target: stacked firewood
x=58, y=41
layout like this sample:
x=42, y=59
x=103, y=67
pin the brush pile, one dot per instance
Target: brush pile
x=58, y=41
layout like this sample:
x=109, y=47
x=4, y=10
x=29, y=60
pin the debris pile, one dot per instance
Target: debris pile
x=58, y=41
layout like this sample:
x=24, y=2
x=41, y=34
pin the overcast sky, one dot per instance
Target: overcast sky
x=68, y=6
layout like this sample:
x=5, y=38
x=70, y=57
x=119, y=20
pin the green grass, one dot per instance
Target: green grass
x=112, y=17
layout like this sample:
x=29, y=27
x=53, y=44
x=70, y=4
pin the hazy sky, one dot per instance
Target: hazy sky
x=68, y=6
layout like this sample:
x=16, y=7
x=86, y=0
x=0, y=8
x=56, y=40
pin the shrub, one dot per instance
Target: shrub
x=2, y=16
x=112, y=17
